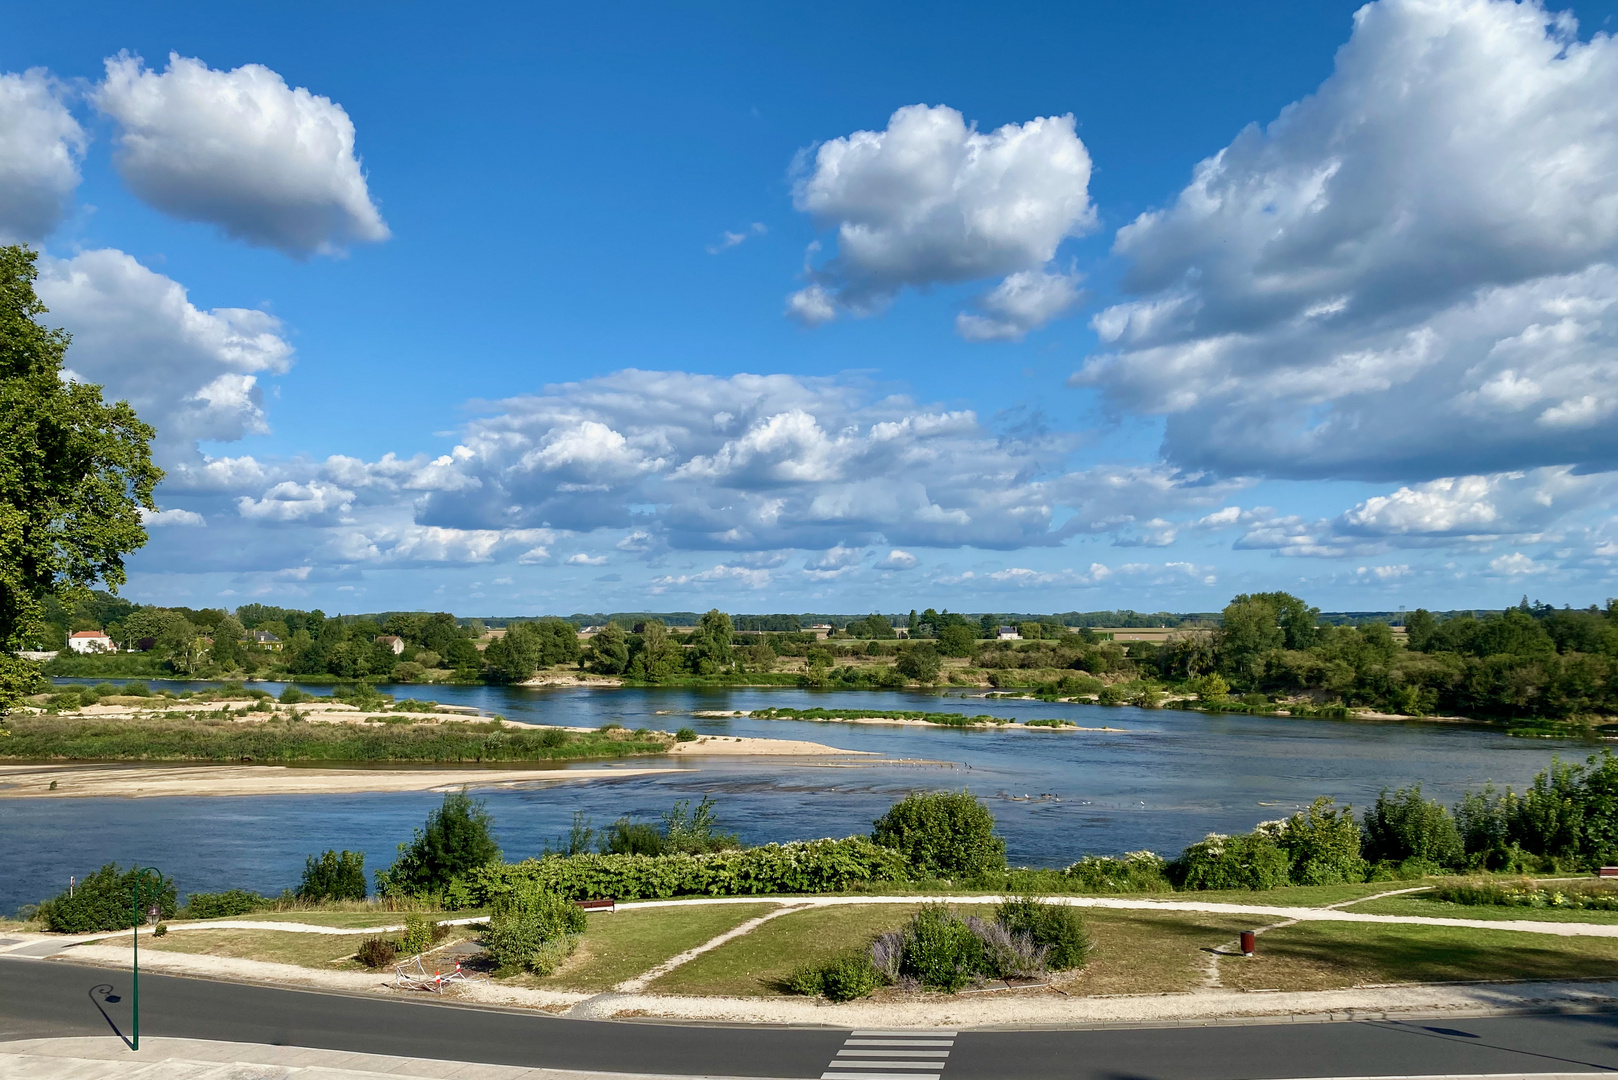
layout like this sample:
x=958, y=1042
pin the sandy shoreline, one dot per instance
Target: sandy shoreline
x=152, y=779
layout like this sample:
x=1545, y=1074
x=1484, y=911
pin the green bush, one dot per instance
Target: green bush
x=1139, y=871
x=224, y=905
x=333, y=876
x=1322, y=845
x=844, y=977
x=458, y=840
x=942, y=834
x=1057, y=928
x=105, y=900
x=812, y=866
x=291, y=695
x=419, y=934
x=627, y=836
x=685, y=734
x=526, y=919
x=1405, y=826
x=1248, y=861
x=941, y=952
x=552, y=738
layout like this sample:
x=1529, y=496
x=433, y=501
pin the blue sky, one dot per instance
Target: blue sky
x=526, y=309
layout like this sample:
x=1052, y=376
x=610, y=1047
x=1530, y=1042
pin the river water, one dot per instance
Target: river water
x=1159, y=780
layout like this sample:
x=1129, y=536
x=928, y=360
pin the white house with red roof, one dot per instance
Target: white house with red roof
x=90, y=641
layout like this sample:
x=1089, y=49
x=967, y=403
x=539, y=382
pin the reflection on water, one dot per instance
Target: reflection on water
x=1163, y=779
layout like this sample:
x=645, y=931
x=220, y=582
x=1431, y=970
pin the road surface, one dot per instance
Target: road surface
x=42, y=1000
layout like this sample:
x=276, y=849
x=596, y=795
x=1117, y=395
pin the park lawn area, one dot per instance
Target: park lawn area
x=620, y=946
x=1325, y=956
x=756, y=964
x=1442, y=909
x=1296, y=895
x=276, y=946
x=1141, y=952
x=352, y=919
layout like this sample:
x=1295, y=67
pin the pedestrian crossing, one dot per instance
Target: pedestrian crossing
x=891, y=1055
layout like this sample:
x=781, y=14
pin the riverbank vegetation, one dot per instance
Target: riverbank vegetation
x=1534, y=668
x=284, y=737
x=943, y=719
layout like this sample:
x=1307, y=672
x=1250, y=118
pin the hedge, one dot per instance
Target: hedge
x=105, y=900
x=807, y=867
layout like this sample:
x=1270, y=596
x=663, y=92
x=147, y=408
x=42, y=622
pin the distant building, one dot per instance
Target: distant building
x=91, y=641
x=392, y=641
x=820, y=630
x=263, y=639
x=589, y=632
x=1008, y=633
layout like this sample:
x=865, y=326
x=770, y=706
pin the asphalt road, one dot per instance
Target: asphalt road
x=40, y=1000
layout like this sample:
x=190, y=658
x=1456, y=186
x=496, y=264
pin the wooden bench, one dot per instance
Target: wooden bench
x=1607, y=871
x=609, y=906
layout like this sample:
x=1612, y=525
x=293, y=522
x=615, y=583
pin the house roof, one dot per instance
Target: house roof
x=89, y=634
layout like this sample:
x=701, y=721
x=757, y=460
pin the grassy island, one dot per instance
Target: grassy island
x=943, y=719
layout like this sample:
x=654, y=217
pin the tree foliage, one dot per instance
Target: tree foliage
x=458, y=839
x=75, y=474
x=942, y=834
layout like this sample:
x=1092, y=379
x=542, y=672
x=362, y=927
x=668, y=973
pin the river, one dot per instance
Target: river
x=1160, y=780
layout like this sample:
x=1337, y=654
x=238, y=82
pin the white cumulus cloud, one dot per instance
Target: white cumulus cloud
x=41, y=146
x=269, y=164
x=931, y=200
x=190, y=373
x=1408, y=274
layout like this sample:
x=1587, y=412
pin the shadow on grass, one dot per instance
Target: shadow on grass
x=1405, y=956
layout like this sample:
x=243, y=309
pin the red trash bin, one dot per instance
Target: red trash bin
x=1248, y=939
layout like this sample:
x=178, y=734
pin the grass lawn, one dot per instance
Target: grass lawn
x=755, y=964
x=1440, y=909
x=277, y=946
x=352, y=919
x=1324, y=956
x=622, y=945
x=1135, y=952
x=1148, y=953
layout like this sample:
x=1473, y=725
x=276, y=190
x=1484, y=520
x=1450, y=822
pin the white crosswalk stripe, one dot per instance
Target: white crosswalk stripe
x=880, y=1055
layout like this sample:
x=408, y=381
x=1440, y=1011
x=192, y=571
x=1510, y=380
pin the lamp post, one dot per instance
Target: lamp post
x=140, y=876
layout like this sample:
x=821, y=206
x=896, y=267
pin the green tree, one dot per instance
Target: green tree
x=921, y=663
x=608, y=651
x=654, y=657
x=333, y=876
x=1323, y=843
x=956, y=640
x=75, y=473
x=458, y=839
x=1404, y=825
x=942, y=834
x=710, y=644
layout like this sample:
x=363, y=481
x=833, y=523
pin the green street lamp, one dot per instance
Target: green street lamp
x=140, y=876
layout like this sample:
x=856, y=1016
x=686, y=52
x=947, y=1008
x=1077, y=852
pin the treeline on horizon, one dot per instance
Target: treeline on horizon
x=1265, y=652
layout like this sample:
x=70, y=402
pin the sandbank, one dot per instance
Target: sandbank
x=747, y=746
x=151, y=781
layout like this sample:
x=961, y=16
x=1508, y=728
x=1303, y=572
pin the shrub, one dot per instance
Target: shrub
x=695, y=831
x=457, y=840
x=1249, y=861
x=806, y=867
x=105, y=900
x=847, y=976
x=1139, y=871
x=525, y=920
x=1322, y=845
x=1058, y=929
x=685, y=734
x=291, y=695
x=160, y=929
x=942, y=834
x=1405, y=826
x=136, y=689
x=941, y=951
x=552, y=738
x=887, y=955
x=419, y=934
x=1007, y=955
x=333, y=876
x=223, y=905
x=376, y=952
x=629, y=837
